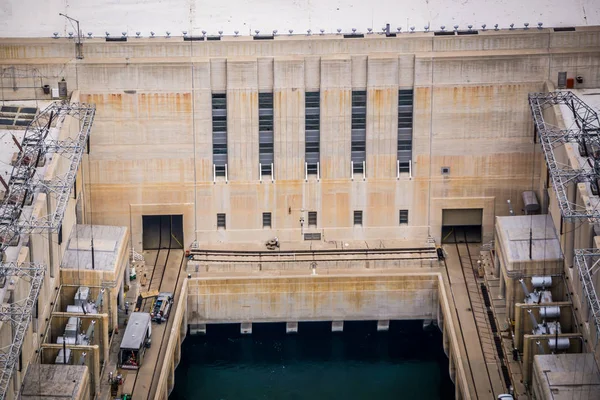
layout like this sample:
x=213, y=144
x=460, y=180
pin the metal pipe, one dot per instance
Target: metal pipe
x=90, y=332
x=98, y=303
x=306, y=171
x=525, y=290
x=540, y=347
x=533, y=320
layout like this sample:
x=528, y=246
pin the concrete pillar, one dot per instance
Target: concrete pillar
x=127, y=275
x=288, y=119
x=104, y=328
x=497, y=266
x=383, y=325
x=242, y=120
x=519, y=322
x=291, y=327
x=336, y=118
x=246, y=328
x=382, y=120
x=502, y=286
x=337, y=326
x=122, y=295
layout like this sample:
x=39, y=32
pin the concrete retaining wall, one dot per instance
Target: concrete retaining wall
x=312, y=298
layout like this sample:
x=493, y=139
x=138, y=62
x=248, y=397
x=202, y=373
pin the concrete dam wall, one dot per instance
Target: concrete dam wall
x=312, y=298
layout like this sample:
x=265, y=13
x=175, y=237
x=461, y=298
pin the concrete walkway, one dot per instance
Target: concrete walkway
x=467, y=325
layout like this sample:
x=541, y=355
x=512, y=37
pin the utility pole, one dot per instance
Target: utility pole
x=78, y=45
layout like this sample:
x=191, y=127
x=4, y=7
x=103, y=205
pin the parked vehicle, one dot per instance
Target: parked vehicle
x=162, y=307
x=136, y=339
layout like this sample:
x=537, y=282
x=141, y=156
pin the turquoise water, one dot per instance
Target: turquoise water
x=360, y=363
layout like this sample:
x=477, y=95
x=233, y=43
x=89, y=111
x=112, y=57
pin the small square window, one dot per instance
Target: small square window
x=219, y=170
x=312, y=218
x=358, y=217
x=445, y=170
x=403, y=217
x=221, y=221
x=266, y=220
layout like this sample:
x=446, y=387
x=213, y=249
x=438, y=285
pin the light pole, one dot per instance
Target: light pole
x=78, y=47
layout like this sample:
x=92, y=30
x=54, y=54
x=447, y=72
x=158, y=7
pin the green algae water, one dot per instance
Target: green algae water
x=358, y=364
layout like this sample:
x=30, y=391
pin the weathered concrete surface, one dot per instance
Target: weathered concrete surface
x=312, y=298
x=565, y=376
x=56, y=381
x=152, y=142
x=179, y=15
x=293, y=295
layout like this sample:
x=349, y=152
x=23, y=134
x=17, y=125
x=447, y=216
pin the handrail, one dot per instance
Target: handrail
x=318, y=251
x=163, y=380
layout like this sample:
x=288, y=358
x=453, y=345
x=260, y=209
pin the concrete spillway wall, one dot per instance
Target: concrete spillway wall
x=312, y=298
x=382, y=296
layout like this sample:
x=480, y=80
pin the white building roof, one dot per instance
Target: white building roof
x=34, y=18
x=567, y=376
x=108, y=243
x=514, y=235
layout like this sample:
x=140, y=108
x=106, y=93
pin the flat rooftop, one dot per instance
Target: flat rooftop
x=54, y=382
x=514, y=237
x=567, y=376
x=108, y=244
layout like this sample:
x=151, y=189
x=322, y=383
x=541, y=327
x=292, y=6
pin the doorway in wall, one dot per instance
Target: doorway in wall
x=462, y=225
x=162, y=232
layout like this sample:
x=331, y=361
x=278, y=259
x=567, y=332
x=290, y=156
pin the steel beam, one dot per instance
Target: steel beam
x=18, y=315
x=587, y=131
x=587, y=261
x=24, y=179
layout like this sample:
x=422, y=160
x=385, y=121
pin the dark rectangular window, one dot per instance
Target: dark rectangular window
x=221, y=221
x=265, y=132
x=403, y=217
x=266, y=220
x=312, y=218
x=219, y=125
x=405, y=128
x=358, y=217
x=312, y=236
x=312, y=126
x=359, y=131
